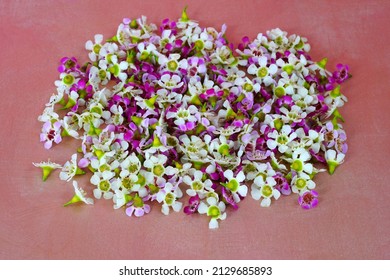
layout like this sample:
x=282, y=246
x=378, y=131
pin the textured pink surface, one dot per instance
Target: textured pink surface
x=353, y=217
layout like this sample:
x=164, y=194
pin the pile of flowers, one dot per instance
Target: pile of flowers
x=164, y=110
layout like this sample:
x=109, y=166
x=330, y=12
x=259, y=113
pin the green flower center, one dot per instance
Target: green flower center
x=158, y=170
x=133, y=168
x=144, y=55
x=279, y=91
x=288, y=68
x=299, y=45
x=115, y=70
x=278, y=123
x=171, y=141
x=172, y=65
x=68, y=80
x=170, y=83
x=262, y=72
x=104, y=185
x=266, y=191
x=164, y=42
x=169, y=198
x=141, y=180
x=293, y=115
x=297, y=165
x=96, y=48
x=127, y=183
x=248, y=87
x=197, y=186
x=282, y=139
x=224, y=149
x=300, y=183
x=153, y=189
x=213, y=212
x=279, y=40
x=232, y=185
x=138, y=202
x=199, y=45
x=69, y=64
x=104, y=167
x=300, y=103
x=96, y=110
x=249, y=168
x=191, y=148
x=183, y=114
x=102, y=74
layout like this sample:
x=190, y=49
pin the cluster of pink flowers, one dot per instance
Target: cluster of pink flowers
x=162, y=110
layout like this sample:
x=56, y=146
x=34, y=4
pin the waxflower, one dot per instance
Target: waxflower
x=137, y=207
x=214, y=209
x=333, y=160
x=282, y=139
x=308, y=199
x=198, y=186
x=265, y=190
x=159, y=111
x=51, y=132
x=47, y=168
x=233, y=184
x=80, y=195
x=70, y=169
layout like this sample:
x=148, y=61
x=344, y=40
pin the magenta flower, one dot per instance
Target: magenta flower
x=194, y=204
x=51, y=132
x=341, y=74
x=282, y=184
x=228, y=196
x=68, y=64
x=308, y=199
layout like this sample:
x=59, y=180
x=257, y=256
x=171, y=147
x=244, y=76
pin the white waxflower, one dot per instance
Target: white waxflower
x=70, y=169
x=221, y=145
x=130, y=165
x=102, y=181
x=156, y=164
x=234, y=184
x=198, y=186
x=184, y=117
x=80, y=195
x=94, y=48
x=265, y=190
x=47, y=168
x=168, y=197
x=214, y=209
x=254, y=169
x=333, y=159
x=295, y=114
x=170, y=81
x=301, y=183
x=194, y=147
x=263, y=72
x=299, y=161
x=281, y=139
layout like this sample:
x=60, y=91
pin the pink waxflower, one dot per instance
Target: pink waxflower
x=341, y=74
x=194, y=204
x=138, y=207
x=308, y=199
x=51, y=132
x=68, y=64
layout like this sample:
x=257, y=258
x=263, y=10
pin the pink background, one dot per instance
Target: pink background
x=353, y=218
